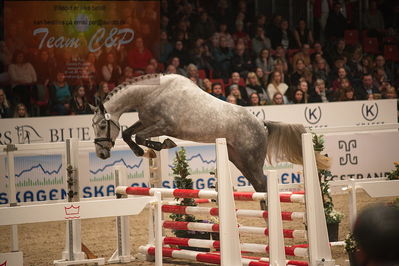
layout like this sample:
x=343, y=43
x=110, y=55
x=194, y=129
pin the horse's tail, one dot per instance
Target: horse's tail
x=284, y=144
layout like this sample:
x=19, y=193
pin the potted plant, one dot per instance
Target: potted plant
x=333, y=217
x=351, y=248
x=181, y=172
x=394, y=174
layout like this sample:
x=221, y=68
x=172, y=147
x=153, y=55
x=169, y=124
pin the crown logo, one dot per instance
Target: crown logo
x=71, y=212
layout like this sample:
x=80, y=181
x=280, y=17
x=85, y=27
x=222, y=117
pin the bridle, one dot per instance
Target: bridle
x=107, y=116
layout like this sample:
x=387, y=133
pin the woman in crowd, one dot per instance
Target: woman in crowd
x=5, y=109
x=299, y=96
x=101, y=94
x=60, y=95
x=235, y=91
x=111, y=71
x=277, y=85
x=20, y=111
x=22, y=77
x=79, y=104
x=347, y=94
x=321, y=70
x=278, y=99
x=192, y=73
x=319, y=93
x=254, y=99
x=265, y=62
x=253, y=85
x=302, y=34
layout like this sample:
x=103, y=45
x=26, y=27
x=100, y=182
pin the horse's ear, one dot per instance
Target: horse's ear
x=93, y=108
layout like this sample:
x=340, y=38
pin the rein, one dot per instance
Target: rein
x=98, y=141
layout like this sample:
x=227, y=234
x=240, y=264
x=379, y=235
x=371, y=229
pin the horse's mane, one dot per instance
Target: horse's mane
x=133, y=81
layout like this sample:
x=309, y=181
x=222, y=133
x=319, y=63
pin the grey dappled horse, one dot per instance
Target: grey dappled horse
x=174, y=106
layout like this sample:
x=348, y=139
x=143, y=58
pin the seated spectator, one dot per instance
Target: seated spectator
x=79, y=104
x=280, y=56
x=281, y=67
x=299, y=97
x=302, y=34
x=101, y=94
x=320, y=93
x=60, y=95
x=207, y=85
x=376, y=233
x=342, y=74
x=235, y=92
x=20, y=111
x=241, y=61
x=170, y=69
x=304, y=86
x=175, y=62
x=253, y=85
x=235, y=79
x=5, y=108
x=389, y=93
x=150, y=69
x=44, y=68
x=300, y=71
x=180, y=51
x=278, y=99
x=202, y=58
x=367, y=65
x=22, y=77
x=231, y=99
x=284, y=37
x=254, y=99
x=223, y=56
x=166, y=47
x=336, y=23
x=261, y=76
x=192, y=73
x=318, y=49
x=367, y=87
x=379, y=77
x=380, y=64
x=304, y=55
x=204, y=27
x=339, y=50
x=260, y=41
x=92, y=65
x=241, y=34
x=223, y=32
x=111, y=71
x=139, y=56
x=217, y=91
x=347, y=94
x=265, y=62
x=128, y=74
x=321, y=70
x=344, y=86
x=277, y=85
x=355, y=64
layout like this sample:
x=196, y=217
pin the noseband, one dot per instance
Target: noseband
x=98, y=141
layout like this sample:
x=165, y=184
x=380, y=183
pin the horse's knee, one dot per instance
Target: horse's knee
x=126, y=136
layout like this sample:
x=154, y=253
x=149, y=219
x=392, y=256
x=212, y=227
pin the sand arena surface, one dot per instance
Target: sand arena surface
x=42, y=243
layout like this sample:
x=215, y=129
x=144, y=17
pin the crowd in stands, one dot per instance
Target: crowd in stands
x=226, y=50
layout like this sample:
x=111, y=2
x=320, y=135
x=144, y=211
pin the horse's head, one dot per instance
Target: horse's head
x=106, y=130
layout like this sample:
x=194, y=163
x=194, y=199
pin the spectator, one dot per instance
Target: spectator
x=204, y=28
x=171, y=69
x=155, y=64
x=260, y=41
x=304, y=86
x=101, y=94
x=241, y=61
x=139, y=56
x=373, y=20
x=278, y=99
x=92, y=65
x=300, y=71
x=150, y=69
x=347, y=94
x=180, y=52
x=44, y=68
x=22, y=78
x=217, y=91
x=240, y=34
x=339, y=50
x=79, y=104
x=376, y=233
x=175, y=62
x=111, y=71
x=302, y=34
x=166, y=47
x=265, y=62
x=224, y=33
x=202, y=57
x=321, y=9
x=389, y=93
x=231, y=99
x=5, y=108
x=355, y=64
x=261, y=76
x=253, y=85
x=60, y=95
x=192, y=73
x=128, y=74
x=235, y=92
x=277, y=85
x=380, y=64
x=304, y=55
x=320, y=93
x=299, y=97
x=336, y=23
x=342, y=74
x=367, y=65
x=223, y=56
x=207, y=85
x=236, y=79
x=284, y=37
x=366, y=88
x=321, y=71
x=254, y=99
x=20, y=111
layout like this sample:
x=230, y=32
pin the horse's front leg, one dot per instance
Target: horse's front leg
x=143, y=136
x=127, y=137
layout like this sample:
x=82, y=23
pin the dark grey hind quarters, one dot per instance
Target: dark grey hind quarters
x=168, y=144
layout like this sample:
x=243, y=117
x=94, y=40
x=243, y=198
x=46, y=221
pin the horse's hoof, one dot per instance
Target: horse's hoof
x=168, y=144
x=149, y=153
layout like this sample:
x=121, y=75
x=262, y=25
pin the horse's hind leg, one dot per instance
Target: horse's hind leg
x=127, y=137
